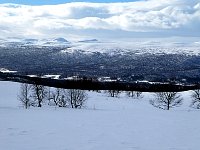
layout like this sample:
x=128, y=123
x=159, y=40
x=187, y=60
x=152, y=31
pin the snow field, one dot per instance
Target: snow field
x=105, y=123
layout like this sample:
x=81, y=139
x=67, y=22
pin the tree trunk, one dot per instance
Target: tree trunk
x=39, y=104
x=168, y=105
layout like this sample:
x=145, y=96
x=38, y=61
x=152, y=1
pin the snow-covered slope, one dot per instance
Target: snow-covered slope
x=110, y=47
x=34, y=42
x=106, y=123
x=137, y=48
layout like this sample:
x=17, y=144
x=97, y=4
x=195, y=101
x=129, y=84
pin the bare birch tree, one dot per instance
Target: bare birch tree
x=39, y=93
x=134, y=94
x=113, y=93
x=166, y=100
x=25, y=95
x=196, y=99
x=58, y=98
x=75, y=97
x=55, y=95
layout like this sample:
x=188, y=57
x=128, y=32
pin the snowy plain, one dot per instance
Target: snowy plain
x=104, y=124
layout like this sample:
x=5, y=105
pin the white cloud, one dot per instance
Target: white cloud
x=163, y=17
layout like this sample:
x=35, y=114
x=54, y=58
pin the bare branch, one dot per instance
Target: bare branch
x=166, y=100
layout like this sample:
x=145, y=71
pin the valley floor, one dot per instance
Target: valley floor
x=104, y=124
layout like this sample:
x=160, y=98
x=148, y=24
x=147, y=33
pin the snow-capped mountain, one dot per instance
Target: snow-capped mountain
x=34, y=42
x=61, y=40
x=89, y=41
x=152, y=61
x=105, y=46
x=56, y=41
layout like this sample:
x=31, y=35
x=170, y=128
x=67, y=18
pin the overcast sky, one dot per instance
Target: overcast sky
x=99, y=19
x=53, y=2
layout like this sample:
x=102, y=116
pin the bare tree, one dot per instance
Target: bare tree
x=49, y=95
x=134, y=94
x=39, y=93
x=58, y=98
x=166, y=100
x=62, y=101
x=113, y=93
x=55, y=95
x=25, y=95
x=196, y=99
x=98, y=91
x=75, y=97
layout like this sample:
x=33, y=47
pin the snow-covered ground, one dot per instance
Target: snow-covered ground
x=3, y=70
x=137, y=48
x=173, y=45
x=105, y=124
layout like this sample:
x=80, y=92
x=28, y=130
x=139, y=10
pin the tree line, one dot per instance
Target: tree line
x=36, y=95
x=162, y=100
